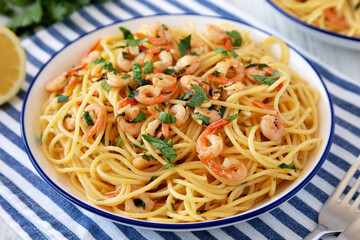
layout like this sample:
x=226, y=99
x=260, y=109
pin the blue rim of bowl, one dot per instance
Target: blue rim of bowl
x=333, y=34
x=175, y=226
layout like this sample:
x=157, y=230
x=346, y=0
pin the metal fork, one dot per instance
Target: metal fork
x=338, y=213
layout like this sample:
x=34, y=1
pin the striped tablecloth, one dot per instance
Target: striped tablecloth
x=36, y=211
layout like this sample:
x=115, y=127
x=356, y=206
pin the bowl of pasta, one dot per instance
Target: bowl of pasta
x=336, y=22
x=177, y=124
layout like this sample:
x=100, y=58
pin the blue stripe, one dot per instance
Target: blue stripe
x=304, y=208
x=338, y=161
x=168, y=235
x=130, y=232
x=56, y=34
x=340, y=82
x=340, y=141
x=126, y=8
x=34, y=61
x=153, y=7
x=42, y=45
x=182, y=7
x=289, y=222
x=9, y=135
x=37, y=209
x=234, y=233
x=316, y=192
x=328, y=177
x=102, y=9
x=69, y=23
x=264, y=229
x=21, y=94
x=204, y=235
x=26, y=225
x=11, y=111
x=345, y=105
x=89, y=18
x=353, y=129
x=29, y=78
x=61, y=202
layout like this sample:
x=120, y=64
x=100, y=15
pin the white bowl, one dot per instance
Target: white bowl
x=71, y=54
x=322, y=34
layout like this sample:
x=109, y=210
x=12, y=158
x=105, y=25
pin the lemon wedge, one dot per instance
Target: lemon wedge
x=12, y=64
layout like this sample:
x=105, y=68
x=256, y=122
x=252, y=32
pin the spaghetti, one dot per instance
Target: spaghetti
x=171, y=125
x=340, y=16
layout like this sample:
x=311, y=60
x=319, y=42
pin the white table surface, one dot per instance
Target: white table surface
x=345, y=60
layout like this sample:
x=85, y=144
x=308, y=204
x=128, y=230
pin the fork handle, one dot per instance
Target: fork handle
x=319, y=232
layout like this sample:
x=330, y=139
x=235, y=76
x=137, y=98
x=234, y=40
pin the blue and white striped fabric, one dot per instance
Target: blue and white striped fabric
x=36, y=211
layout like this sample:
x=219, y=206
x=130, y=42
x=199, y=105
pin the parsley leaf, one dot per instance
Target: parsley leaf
x=148, y=157
x=237, y=38
x=269, y=80
x=125, y=56
x=138, y=202
x=199, y=96
x=173, y=207
x=135, y=42
x=234, y=54
x=105, y=86
x=185, y=96
x=126, y=32
x=167, y=118
x=169, y=165
x=259, y=65
x=110, y=67
x=118, y=142
x=204, y=119
x=166, y=148
x=132, y=92
x=41, y=137
x=153, y=178
x=357, y=6
x=290, y=166
x=143, y=82
x=137, y=72
x=99, y=60
x=87, y=118
x=221, y=111
x=126, y=75
x=221, y=51
x=232, y=117
x=170, y=71
x=62, y=98
x=165, y=27
x=140, y=118
x=184, y=45
x=148, y=67
x=215, y=73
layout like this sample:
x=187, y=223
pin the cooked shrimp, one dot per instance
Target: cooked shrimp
x=143, y=206
x=229, y=70
x=199, y=47
x=215, y=34
x=161, y=80
x=160, y=34
x=117, y=80
x=188, y=64
x=69, y=122
x=90, y=57
x=212, y=114
x=165, y=128
x=335, y=19
x=57, y=83
x=259, y=71
x=181, y=113
x=124, y=102
x=128, y=127
x=271, y=126
x=140, y=163
x=100, y=122
x=206, y=152
x=72, y=83
x=234, y=88
x=151, y=95
x=166, y=58
x=187, y=80
x=126, y=64
x=231, y=169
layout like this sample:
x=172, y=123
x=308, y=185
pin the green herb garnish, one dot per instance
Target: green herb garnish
x=236, y=36
x=125, y=56
x=216, y=73
x=140, y=118
x=125, y=76
x=148, y=67
x=199, y=96
x=184, y=45
x=105, y=86
x=87, y=119
x=205, y=119
x=143, y=82
x=185, y=96
x=165, y=27
x=173, y=207
x=288, y=166
x=269, y=80
x=232, y=117
x=41, y=137
x=117, y=143
x=132, y=93
x=99, y=60
x=138, y=202
x=148, y=157
x=202, y=211
x=234, y=54
x=135, y=42
x=127, y=34
x=110, y=67
x=259, y=65
x=137, y=72
x=167, y=118
x=166, y=148
x=62, y=98
x=66, y=116
x=169, y=165
x=153, y=178
x=221, y=51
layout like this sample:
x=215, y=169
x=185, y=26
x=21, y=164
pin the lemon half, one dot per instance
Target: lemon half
x=12, y=64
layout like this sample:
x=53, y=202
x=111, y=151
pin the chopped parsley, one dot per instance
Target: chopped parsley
x=143, y=82
x=105, y=86
x=288, y=166
x=216, y=73
x=202, y=211
x=205, y=119
x=137, y=72
x=127, y=34
x=41, y=137
x=234, y=54
x=138, y=202
x=236, y=36
x=148, y=157
x=167, y=118
x=132, y=93
x=221, y=111
x=221, y=51
x=110, y=67
x=66, y=116
x=199, y=96
x=148, y=67
x=136, y=146
x=173, y=207
x=125, y=56
x=232, y=117
x=185, y=96
x=153, y=178
x=269, y=80
x=169, y=165
x=99, y=60
x=62, y=98
x=184, y=45
x=259, y=65
x=165, y=27
x=87, y=119
x=165, y=147
x=125, y=76
x=140, y=118
x=170, y=71
x=357, y=6
x=117, y=143
x=135, y=42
